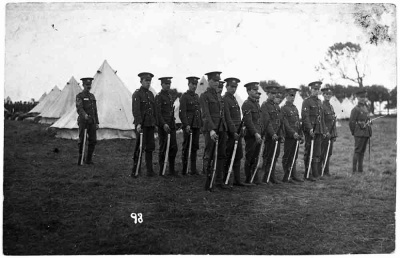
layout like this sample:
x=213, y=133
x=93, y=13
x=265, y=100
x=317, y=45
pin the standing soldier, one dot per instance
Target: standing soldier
x=254, y=131
x=360, y=128
x=314, y=128
x=190, y=115
x=234, y=111
x=293, y=134
x=87, y=119
x=166, y=125
x=274, y=133
x=214, y=127
x=330, y=129
x=143, y=109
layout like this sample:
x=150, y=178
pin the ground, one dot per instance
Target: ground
x=52, y=206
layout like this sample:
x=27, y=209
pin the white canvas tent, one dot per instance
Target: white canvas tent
x=47, y=101
x=8, y=99
x=202, y=86
x=42, y=97
x=347, y=106
x=64, y=102
x=114, y=106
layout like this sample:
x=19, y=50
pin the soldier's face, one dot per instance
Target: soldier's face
x=192, y=87
x=327, y=96
x=362, y=100
x=213, y=84
x=231, y=89
x=166, y=85
x=146, y=83
x=271, y=96
x=290, y=97
x=277, y=99
x=253, y=93
x=87, y=87
x=315, y=92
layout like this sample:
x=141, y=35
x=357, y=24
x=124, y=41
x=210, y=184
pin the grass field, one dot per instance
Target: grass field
x=52, y=206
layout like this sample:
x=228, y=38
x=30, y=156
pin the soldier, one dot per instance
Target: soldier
x=274, y=133
x=190, y=115
x=313, y=123
x=166, y=125
x=254, y=131
x=360, y=128
x=235, y=115
x=214, y=127
x=88, y=118
x=145, y=119
x=293, y=133
x=330, y=129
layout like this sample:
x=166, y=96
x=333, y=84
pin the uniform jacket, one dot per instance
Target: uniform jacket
x=86, y=104
x=165, y=109
x=143, y=103
x=189, y=110
x=252, y=121
x=330, y=118
x=212, y=111
x=358, y=117
x=291, y=115
x=234, y=110
x=277, y=121
x=312, y=115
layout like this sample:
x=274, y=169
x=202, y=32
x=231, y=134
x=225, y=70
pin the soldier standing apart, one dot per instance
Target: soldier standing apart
x=314, y=128
x=166, y=125
x=274, y=132
x=143, y=109
x=330, y=129
x=214, y=127
x=235, y=116
x=190, y=115
x=360, y=128
x=293, y=133
x=88, y=118
x=254, y=131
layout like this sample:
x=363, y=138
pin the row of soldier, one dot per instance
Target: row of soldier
x=224, y=125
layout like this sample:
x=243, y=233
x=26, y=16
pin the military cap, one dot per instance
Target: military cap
x=165, y=79
x=361, y=93
x=315, y=85
x=326, y=90
x=251, y=85
x=193, y=79
x=291, y=90
x=145, y=75
x=221, y=84
x=216, y=76
x=272, y=89
x=87, y=80
x=232, y=81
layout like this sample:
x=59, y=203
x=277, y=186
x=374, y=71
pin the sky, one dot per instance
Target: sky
x=48, y=43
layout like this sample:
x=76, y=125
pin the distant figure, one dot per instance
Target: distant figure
x=88, y=118
x=360, y=128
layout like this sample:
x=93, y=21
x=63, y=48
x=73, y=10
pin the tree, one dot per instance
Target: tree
x=265, y=84
x=376, y=93
x=392, y=103
x=305, y=91
x=343, y=60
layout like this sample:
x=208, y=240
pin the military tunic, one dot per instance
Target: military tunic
x=213, y=114
x=276, y=126
x=313, y=118
x=330, y=126
x=359, y=128
x=291, y=115
x=235, y=114
x=165, y=115
x=253, y=123
x=86, y=105
x=190, y=114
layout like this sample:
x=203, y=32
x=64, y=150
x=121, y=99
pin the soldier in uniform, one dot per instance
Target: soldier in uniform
x=190, y=115
x=330, y=129
x=235, y=115
x=274, y=132
x=88, y=118
x=313, y=122
x=254, y=131
x=293, y=133
x=360, y=128
x=145, y=119
x=166, y=125
x=215, y=126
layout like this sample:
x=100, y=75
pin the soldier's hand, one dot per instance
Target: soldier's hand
x=235, y=136
x=301, y=140
x=328, y=135
x=187, y=129
x=86, y=116
x=243, y=131
x=213, y=135
x=275, y=137
x=166, y=128
x=97, y=126
x=333, y=139
x=312, y=134
x=258, y=138
x=296, y=136
x=139, y=128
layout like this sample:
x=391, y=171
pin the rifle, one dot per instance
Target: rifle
x=329, y=146
x=190, y=144
x=84, y=144
x=210, y=177
x=235, y=148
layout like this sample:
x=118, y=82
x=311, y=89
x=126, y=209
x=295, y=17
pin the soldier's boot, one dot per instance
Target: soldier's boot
x=315, y=169
x=80, y=154
x=172, y=171
x=355, y=160
x=184, y=167
x=236, y=175
x=360, y=162
x=326, y=172
x=193, y=168
x=89, y=155
x=149, y=163
x=220, y=172
x=294, y=175
x=286, y=171
x=273, y=178
x=247, y=172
